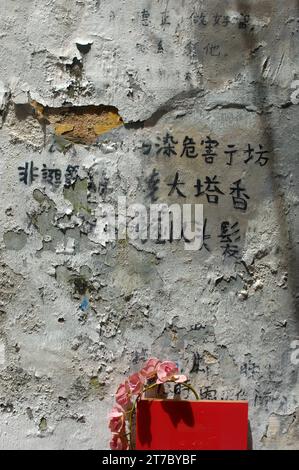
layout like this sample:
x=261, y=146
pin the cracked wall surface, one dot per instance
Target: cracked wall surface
x=101, y=99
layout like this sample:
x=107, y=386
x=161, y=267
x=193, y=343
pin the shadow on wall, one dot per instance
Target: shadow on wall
x=289, y=248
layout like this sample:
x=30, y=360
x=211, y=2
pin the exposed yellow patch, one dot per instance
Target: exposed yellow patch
x=38, y=110
x=63, y=128
x=82, y=124
x=107, y=122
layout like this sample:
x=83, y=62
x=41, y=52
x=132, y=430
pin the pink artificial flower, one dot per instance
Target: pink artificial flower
x=165, y=371
x=136, y=382
x=122, y=396
x=118, y=442
x=168, y=370
x=179, y=379
x=116, y=419
x=150, y=368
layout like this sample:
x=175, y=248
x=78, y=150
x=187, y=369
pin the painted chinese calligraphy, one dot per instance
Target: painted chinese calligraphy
x=200, y=19
x=208, y=187
x=167, y=146
x=55, y=177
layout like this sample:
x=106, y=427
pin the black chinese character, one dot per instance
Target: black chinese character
x=189, y=148
x=145, y=14
x=211, y=187
x=200, y=19
x=188, y=76
x=262, y=160
x=239, y=196
x=28, y=173
x=229, y=237
x=225, y=21
x=168, y=147
x=193, y=51
x=51, y=175
x=212, y=49
x=175, y=186
x=153, y=185
x=103, y=185
x=160, y=49
x=244, y=21
x=250, y=369
x=230, y=151
x=217, y=19
x=71, y=174
x=241, y=395
x=210, y=146
x=206, y=393
x=196, y=363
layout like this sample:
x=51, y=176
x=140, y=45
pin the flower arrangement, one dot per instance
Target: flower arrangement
x=153, y=374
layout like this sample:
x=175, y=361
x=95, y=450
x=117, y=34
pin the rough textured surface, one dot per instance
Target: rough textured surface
x=76, y=314
x=82, y=124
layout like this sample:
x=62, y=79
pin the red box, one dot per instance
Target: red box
x=191, y=425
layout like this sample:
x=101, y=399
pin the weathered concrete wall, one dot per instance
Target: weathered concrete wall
x=88, y=91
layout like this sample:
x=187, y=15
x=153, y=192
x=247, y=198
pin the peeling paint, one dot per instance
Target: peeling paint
x=122, y=104
x=80, y=124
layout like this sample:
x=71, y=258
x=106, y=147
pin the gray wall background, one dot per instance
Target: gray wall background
x=77, y=315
